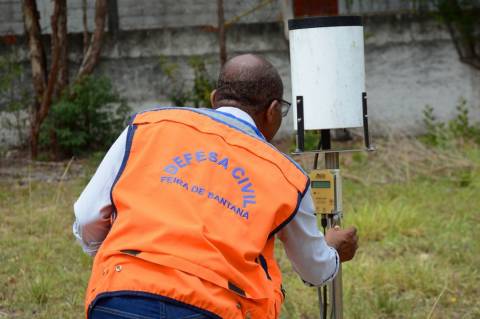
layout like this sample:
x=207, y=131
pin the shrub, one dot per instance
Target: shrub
x=459, y=128
x=88, y=117
x=177, y=93
x=203, y=84
x=180, y=93
x=436, y=132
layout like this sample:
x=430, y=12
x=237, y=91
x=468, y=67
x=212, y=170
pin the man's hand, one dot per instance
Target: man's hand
x=345, y=241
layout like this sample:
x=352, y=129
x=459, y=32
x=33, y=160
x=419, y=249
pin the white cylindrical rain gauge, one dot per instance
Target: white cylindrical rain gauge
x=328, y=72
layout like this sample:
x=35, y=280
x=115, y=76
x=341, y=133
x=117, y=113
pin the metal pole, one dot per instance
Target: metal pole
x=336, y=295
x=300, y=125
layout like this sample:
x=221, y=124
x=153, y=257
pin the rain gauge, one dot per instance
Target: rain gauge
x=328, y=87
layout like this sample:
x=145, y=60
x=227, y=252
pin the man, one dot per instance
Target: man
x=183, y=211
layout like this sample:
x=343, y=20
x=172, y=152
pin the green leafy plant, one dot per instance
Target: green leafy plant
x=88, y=117
x=203, y=84
x=436, y=133
x=176, y=91
x=459, y=128
x=180, y=91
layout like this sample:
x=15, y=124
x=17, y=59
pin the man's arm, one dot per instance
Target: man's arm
x=313, y=256
x=94, y=207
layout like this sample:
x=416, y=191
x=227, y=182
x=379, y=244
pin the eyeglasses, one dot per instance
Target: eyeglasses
x=285, y=107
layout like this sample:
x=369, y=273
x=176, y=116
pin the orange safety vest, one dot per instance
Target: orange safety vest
x=197, y=202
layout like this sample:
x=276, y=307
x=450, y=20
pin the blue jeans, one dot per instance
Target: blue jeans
x=140, y=307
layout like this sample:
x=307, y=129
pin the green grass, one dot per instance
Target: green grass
x=419, y=252
x=43, y=272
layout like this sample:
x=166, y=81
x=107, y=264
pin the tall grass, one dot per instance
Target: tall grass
x=43, y=273
x=419, y=252
x=419, y=244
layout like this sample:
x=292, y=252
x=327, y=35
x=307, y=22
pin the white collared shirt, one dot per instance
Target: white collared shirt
x=305, y=245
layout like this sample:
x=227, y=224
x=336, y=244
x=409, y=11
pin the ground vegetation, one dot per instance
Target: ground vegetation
x=415, y=205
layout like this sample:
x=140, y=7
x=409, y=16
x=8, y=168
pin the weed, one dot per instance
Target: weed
x=39, y=289
x=458, y=129
x=180, y=91
x=436, y=132
x=88, y=117
x=203, y=84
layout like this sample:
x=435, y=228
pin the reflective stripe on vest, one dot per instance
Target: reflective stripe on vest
x=202, y=196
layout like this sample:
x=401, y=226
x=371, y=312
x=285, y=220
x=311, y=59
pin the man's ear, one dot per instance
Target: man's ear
x=270, y=121
x=270, y=112
x=212, y=98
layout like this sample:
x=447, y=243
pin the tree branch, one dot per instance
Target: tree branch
x=85, y=26
x=221, y=32
x=462, y=22
x=59, y=9
x=37, y=52
x=62, y=81
x=92, y=55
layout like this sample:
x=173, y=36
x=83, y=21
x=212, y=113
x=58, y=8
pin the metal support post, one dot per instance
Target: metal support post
x=332, y=161
x=300, y=125
x=336, y=294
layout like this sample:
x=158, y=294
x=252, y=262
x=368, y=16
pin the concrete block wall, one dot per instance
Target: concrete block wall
x=384, y=6
x=145, y=14
x=142, y=14
x=11, y=17
x=410, y=62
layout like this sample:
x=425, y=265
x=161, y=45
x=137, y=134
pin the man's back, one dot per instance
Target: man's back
x=198, y=194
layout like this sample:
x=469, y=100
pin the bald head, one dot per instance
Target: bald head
x=248, y=81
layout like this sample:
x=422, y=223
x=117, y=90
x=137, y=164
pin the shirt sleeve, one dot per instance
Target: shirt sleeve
x=305, y=246
x=94, y=207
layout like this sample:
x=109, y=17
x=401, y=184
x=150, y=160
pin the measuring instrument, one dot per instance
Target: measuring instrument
x=325, y=187
x=328, y=87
